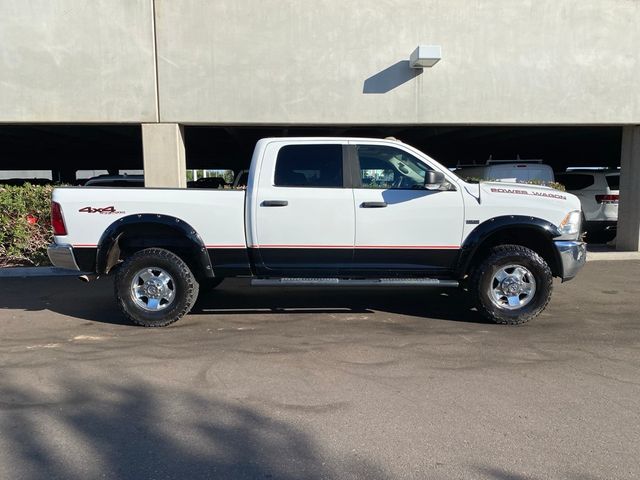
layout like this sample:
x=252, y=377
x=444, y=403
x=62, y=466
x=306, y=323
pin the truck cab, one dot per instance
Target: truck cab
x=333, y=209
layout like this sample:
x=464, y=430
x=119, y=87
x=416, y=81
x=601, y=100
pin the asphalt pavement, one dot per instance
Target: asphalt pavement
x=321, y=384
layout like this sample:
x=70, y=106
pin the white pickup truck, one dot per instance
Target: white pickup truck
x=324, y=212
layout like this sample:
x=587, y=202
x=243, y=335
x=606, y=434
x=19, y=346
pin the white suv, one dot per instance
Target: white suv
x=598, y=192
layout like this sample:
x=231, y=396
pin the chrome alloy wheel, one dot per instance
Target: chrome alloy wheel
x=153, y=289
x=512, y=287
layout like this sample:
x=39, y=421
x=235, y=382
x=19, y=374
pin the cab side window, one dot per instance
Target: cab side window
x=385, y=167
x=318, y=166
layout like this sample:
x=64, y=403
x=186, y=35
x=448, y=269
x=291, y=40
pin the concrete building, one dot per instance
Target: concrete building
x=176, y=66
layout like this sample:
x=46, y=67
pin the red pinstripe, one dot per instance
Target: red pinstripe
x=388, y=247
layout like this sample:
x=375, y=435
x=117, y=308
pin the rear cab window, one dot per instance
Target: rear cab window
x=319, y=166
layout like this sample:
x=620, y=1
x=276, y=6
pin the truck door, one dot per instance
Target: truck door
x=304, y=219
x=401, y=227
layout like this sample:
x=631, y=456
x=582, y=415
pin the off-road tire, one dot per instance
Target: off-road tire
x=186, y=287
x=502, y=256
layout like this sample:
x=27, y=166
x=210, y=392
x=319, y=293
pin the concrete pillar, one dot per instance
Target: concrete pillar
x=164, y=155
x=628, y=237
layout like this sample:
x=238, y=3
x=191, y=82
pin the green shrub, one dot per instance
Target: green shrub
x=25, y=225
x=544, y=183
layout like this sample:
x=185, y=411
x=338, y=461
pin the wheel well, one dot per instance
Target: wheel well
x=139, y=236
x=529, y=237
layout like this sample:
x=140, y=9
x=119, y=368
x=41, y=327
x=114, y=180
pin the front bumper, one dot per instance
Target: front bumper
x=573, y=256
x=62, y=256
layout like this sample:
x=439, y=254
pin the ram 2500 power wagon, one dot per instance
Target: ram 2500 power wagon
x=324, y=212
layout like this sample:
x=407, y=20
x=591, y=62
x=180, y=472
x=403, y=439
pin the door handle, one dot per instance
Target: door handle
x=373, y=204
x=275, y=203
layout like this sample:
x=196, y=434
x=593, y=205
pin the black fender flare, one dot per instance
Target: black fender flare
x=496, y=224
x=108, y=249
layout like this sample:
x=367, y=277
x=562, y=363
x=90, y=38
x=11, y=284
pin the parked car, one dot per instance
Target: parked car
x=509, y=171
x=207, y=182
x=598, y=191
x=325, y=212
x=18, y=182
x=116, y=181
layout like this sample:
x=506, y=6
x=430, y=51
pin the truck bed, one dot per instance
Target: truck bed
x=216, y=215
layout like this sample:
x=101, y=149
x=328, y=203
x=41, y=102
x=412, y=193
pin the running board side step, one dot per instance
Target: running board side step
x=347, y=282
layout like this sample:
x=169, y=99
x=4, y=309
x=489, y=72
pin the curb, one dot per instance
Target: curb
x=608, y=256
x=24, y=272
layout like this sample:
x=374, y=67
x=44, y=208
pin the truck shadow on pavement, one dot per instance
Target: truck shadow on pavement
x=64, y=295
x=95, y=301
x=91, y=428
x=428, y=303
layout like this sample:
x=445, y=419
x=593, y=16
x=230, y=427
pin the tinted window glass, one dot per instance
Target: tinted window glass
x=309, y=166
x=575, y=181
x=613, y=181
x=389, y=167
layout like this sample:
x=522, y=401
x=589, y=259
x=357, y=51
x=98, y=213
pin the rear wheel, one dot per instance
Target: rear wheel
x=154, y=288
x=512, y=285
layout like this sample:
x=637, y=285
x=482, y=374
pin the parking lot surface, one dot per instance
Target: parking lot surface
x=321, y=383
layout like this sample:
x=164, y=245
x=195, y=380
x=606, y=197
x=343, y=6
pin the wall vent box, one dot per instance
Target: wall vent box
x=425, y=56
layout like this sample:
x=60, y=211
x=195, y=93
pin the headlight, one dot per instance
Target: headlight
x=570, y=225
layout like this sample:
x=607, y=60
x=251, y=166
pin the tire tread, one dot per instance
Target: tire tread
x=190, y=294
x=495, y=254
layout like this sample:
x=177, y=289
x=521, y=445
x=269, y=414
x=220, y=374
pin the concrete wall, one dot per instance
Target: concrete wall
x=77, y=61
x=320, y=61
x=337, y=61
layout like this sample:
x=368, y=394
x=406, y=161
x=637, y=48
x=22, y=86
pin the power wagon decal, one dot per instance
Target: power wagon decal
x=525, y=192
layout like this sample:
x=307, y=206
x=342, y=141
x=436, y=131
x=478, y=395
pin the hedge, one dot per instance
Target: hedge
x=25, y=225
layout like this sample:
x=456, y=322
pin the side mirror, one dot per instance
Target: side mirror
x=433, y=180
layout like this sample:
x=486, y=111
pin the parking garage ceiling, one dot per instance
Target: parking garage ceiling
x=120, y=146
x=53, y=147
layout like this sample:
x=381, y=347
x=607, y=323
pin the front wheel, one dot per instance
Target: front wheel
x=154, y=288
x=512, y=285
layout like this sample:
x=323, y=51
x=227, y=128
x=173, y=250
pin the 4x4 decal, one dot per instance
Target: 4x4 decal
x=111, y=210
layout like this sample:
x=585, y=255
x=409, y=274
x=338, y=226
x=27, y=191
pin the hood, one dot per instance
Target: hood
x=503, y=199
